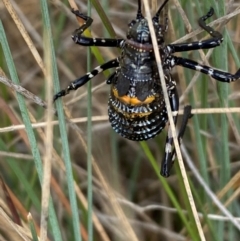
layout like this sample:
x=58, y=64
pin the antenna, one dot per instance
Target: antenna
x=139, y=12
x=156, y=17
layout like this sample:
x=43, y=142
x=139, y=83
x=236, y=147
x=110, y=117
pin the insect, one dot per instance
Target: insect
x=136, y=106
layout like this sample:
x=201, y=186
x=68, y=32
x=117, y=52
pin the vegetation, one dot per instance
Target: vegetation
x=104, y=187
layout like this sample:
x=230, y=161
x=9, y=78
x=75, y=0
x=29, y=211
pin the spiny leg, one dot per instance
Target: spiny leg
x=214, y=73
x=213, y=42
x=85, y=41
x=167, y=159
x=84, y=79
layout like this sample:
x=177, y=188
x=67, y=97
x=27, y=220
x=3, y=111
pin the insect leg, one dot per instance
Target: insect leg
x=213, y=42
x=186, y=116
x=167, y=159
x=84, y=79
x=214, y=73
x=85, y=41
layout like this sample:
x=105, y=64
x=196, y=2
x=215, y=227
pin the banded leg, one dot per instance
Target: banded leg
x=214, y=73
x=167, y=159
x=186, y=116
x=213, y=42
x=85, y=41
x=84, y=79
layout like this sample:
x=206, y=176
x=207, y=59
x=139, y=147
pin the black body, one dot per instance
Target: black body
x=137, y=108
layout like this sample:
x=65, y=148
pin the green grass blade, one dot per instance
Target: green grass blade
x=66, y=153
x=104, y=18
x=191, y=227
x=28, y=126
x=32, y=228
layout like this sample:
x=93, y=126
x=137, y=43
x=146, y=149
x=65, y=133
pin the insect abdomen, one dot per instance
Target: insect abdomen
x=136, y=120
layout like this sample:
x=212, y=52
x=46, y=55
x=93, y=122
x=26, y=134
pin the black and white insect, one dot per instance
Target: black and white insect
x=136, y=106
